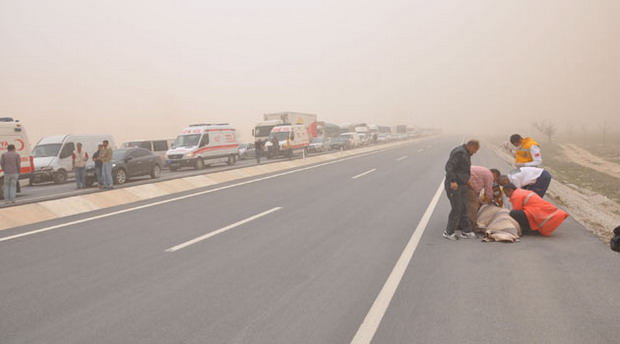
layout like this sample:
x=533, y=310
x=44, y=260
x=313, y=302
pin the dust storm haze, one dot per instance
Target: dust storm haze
x=139, y=69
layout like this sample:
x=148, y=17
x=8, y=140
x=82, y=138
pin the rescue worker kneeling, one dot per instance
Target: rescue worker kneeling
x=532, y=212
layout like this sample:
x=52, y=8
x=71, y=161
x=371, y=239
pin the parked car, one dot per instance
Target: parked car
x=319, y=144
x=247, y=150
x=157, y=146
x=353, y=138
x=128, y=163
x=341, y=142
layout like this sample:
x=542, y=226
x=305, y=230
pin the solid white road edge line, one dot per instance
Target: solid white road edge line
x=371, y=323
x=221, y=230
x=365, y=173
x=186, y=196
x=401, y=158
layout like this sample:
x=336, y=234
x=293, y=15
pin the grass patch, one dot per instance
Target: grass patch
x=581, y=176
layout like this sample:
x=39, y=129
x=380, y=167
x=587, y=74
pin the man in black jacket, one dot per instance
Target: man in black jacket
x=458, y=172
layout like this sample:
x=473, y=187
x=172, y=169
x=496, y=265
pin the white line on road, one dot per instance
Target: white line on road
x=365, y=173
x=420, y=150
x=221, y=230
x=185, y=196
x=371, y=323
x=401, y=158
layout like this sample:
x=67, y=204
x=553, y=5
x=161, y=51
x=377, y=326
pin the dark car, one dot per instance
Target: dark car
x=128, y=163
x=341, y=142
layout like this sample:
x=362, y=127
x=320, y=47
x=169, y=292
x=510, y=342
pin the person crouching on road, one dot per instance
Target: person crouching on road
x=106, y=159
x=79, y=159
x=529, y=178
x=98, y=166
x=532, y=212
x=481, y=179
x=458, y=172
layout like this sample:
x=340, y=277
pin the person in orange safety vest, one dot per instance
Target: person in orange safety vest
x=532, y=212
x=527, y=151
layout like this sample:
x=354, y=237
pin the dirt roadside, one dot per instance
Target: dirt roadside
x=584, y=158
x=597, y=213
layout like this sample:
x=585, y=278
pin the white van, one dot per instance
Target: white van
x=200, y=145
x=157, y=146
x=53, y=155
x=354, y=138
x=292, y=139
x=13, y=133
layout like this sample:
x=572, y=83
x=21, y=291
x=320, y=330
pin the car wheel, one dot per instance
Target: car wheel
x=231, y=160
x=156, y=171
x=200, y=164
x=60, y=177
x=120, y=177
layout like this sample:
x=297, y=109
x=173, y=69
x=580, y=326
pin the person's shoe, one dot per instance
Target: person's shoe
x=449, y=236
x=468, y=235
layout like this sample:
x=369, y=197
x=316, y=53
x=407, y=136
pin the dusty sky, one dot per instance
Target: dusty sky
x=147, y=68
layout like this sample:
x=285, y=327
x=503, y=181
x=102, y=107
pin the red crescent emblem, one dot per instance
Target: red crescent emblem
x=22, y=143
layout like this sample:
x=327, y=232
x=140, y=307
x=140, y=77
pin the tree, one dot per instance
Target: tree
x=604, y=129
x=546, y=128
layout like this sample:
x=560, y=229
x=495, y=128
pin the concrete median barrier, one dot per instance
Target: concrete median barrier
x=48, y=210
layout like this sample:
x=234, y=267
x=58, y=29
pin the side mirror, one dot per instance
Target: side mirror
x=127, y=159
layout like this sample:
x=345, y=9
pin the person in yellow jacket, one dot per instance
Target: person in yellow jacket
x=527, y=153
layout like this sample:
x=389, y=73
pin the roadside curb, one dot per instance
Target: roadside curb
x=32, y=213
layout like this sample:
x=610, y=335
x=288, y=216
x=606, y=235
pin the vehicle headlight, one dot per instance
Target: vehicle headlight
x=189, y=155
x=113, y=165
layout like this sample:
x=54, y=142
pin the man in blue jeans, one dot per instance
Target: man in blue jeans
x=105, y=156
x=10, y=163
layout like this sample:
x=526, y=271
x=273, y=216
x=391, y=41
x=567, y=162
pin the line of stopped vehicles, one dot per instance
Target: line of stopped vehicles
x=284, y=135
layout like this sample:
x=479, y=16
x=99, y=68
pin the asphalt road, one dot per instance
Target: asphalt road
x=48, y=190
x=301, y=258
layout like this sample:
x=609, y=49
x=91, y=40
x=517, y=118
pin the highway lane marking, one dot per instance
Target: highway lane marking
x=46, y=229
x=420, y=150
x=401, y=158
x=371, y=322
x=221, y=230
x=365, y=173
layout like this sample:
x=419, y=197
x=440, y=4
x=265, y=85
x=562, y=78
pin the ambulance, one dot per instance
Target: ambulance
x=291, y=139
x=201, y=145
x=12, y=132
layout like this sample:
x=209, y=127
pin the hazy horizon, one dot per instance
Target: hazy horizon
x=143, y=69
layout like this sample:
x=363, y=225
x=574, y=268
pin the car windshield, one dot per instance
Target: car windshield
x=41, y=151
x=119, y=154
x=263, y=131
x=187, y=140
x=281, y=135
x=141, y=144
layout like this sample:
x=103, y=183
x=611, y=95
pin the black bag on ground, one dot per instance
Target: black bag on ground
x=615, y=241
